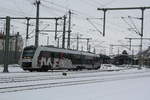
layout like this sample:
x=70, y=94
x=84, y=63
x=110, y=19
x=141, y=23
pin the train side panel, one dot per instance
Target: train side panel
x=46, y=58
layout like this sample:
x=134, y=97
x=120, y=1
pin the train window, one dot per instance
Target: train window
x=88, y=57
x=76, y=56
x=28, y=53
x=67, y=55
x=61, y=55
x=76, y=59
x=45, y=54
x=56, y=55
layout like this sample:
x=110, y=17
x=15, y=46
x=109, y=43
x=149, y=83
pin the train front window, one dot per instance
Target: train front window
x=28, y=53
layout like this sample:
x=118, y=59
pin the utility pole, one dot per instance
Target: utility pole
x=69, y=30
x=47, y=40
x=104, y=22
x=27, y=31
x=132, y=56
x=73, y=47
x=82, y=48
x=16, y=46
x=118, y=51
x=111, y=50
x=89, y=48
x=37, y=24
x=94, y=51
x=88, y=44
x=64, y=32
x=130, y=44
x=56, y=23
x=77, y=42
x=142, y=23
x=58, y=42
x=6, y=51
x=130, y=40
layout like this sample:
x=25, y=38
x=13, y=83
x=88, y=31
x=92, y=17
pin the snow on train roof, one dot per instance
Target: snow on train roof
x=54, y=49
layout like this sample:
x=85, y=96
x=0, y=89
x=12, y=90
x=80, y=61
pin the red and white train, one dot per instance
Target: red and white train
x=51, y=58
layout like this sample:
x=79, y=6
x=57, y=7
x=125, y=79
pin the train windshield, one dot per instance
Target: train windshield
x=28, y=52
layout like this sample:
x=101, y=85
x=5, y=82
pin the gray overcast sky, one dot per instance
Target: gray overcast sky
x=116, y=28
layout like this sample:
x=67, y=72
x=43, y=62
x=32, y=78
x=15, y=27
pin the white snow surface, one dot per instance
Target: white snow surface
x=128, y=89
x=12, y=68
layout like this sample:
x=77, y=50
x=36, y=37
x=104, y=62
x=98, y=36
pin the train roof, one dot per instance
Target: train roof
x=29, y=47
x=55, y=49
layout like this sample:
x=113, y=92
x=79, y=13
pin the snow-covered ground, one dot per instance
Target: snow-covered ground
x=12, y=68
x=17, y=68
x=111, y=67
x=136, y=89
x=113, y=85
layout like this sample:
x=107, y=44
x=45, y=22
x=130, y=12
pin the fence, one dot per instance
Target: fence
x=13, y=57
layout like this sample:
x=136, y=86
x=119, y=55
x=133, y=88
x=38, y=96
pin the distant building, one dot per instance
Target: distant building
x=15, y=42
x=15, y=48
x=1, y=41
x=145, y=56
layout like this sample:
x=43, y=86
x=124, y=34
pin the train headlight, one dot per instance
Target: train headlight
x=27, y=57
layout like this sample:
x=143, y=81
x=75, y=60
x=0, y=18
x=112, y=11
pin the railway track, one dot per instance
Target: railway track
x=70, y=82
x=58, y=76
x=26, y=77
x=17, y=74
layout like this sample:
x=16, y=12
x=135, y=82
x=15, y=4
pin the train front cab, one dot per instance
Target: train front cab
x=27, y=56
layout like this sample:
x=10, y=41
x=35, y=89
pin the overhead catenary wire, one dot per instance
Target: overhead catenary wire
x=129, y=25
x=94, y=26
x=109, y=2
x=55, y=4
x=130, y=18
x=92, y=4
x=66, y=8
x=75, y=12
x=10, y=11
x=98, y=2
x=52, y=8
x=19, y=8
x=53, y=12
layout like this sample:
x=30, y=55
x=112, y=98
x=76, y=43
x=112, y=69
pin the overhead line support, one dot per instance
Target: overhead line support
x=6, y=50
x=64, y=32
x=32, y=18
x=142, y=22
x=56, y=23
x=104, y=21
x=69, y=30
x=27, y=31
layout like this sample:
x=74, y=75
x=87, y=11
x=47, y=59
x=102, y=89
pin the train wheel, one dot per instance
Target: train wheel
x=30, y=70
x=45, y=70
